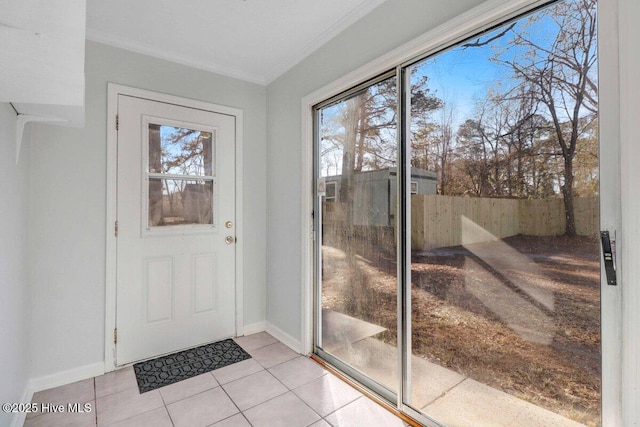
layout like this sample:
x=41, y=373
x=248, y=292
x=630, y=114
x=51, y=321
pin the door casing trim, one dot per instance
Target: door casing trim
x=113, y=91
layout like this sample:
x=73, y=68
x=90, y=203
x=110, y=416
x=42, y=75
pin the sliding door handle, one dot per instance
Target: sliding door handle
x=608, y=253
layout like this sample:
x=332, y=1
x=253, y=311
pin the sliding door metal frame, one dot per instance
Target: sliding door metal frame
x=403, y=249
x=373, y=385
x=402, y=74
x=349, y=93
x=403, y=222
x=317, y=236
x=404, y=327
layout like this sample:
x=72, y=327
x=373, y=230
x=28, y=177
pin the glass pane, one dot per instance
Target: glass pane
x=180, y=151
x=180, y=202
x=505, y=259
x=357, y=162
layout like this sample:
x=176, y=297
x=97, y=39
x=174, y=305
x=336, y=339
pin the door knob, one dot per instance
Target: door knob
x=229, y=240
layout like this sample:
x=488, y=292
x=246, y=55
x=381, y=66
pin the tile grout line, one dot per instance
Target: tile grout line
x=260, y=348
x=246, y=419
x=166, y=406
x=234, y=404
x=133, y=416
x=326, y=372
x=188, y=397
x=239, y=378
x=138, y=414
x=292, y=390
x=280, y=395
x=164, y=403
x=278, y=380
x=369, y=395
x=219, y=385
x=119, y=391
x=307, y=405
x=256, y=348
x=95, y=402
x=232, y=401
x=344, y=406
x=268, y=400
x=169, y=415
x=280, y=363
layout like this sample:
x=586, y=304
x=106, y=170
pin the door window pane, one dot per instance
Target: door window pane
x=180, y=202
x=180, y=151
x=186, y=155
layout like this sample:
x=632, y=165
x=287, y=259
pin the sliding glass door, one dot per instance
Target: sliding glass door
x=357, y=159
x=505, y=272
x=457, y=209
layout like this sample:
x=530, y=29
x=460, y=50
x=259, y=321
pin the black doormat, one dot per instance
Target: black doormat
x=179, y=366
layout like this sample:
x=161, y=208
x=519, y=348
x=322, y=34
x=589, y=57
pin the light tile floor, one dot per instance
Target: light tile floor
x=276, y=387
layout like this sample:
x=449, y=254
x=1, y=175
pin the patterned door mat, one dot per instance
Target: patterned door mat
x=179, y=366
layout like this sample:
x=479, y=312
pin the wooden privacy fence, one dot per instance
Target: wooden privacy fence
x=441, y=221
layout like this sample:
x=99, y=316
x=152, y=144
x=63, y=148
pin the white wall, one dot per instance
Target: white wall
x=14, y=284
x=390, y=25
x=68, y=205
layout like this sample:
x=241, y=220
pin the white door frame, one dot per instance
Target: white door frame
x=483, y=16
x=113, y=91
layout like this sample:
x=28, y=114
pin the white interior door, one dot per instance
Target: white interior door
x=175, y=228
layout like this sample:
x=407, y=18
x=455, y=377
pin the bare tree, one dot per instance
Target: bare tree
x=363, y=128
x=562, y=75
x=444, y=144
x=474, y=158
x=352, y=125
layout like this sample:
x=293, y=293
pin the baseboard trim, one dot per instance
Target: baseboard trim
x=66, y=377
x=55, y=380
x=19, y=417
x=254, y=328
x=284, y=338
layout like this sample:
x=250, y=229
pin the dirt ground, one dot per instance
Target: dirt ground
x=521, y=315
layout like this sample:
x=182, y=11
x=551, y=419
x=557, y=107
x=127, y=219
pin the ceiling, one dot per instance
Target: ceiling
x=253, y=40
x=42, y=45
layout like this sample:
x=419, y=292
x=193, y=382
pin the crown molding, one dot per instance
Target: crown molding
x=347, y=20
x=109, y=39
x=262, y=79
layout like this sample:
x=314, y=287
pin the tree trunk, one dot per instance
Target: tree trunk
x=155, y=185
x=349, y=150
x=207, y=153
x=360, y=133
x=567, y=193
x=354, y=278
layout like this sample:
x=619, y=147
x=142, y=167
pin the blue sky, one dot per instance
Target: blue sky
x=462, y=76
x=171, y=151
